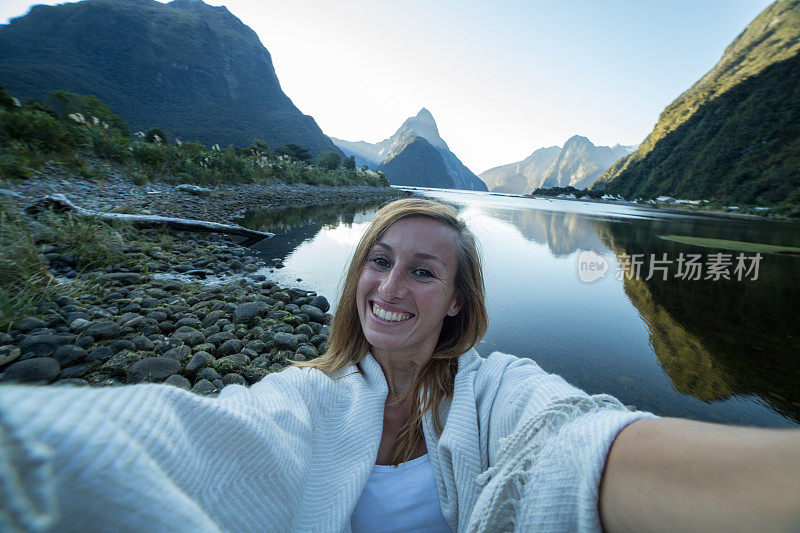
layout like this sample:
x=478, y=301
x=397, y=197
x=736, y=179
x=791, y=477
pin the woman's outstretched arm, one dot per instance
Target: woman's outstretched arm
x=679, y=475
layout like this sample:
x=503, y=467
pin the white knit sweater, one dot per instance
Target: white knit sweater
x=294, y=452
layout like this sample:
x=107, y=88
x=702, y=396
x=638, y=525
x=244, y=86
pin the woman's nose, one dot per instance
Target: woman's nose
x=393, y=284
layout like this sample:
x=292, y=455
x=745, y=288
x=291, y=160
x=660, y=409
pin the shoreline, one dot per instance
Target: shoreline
x=673, y=210
x=222, y=203
x=147, y=317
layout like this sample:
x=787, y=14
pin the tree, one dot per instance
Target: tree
x=33, y=105
x=294, y=151
x=155, y=135
x=258, y=147
x=349, y=162
x=6, y=101
x=329, y=160
x=87, y=105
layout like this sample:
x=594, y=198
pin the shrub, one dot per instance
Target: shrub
x=329, y=160
x=35, y=128
x=93, y=242
x=139, y=175
x=68, y=103
x=152, y=155
x=24, y=278
x=108, y=145
x=7, y=101
x=18, y=161
x=156, y=135
x=295, y=152
x=258, y=148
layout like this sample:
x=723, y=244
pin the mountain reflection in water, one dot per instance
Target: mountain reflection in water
x=723, y=351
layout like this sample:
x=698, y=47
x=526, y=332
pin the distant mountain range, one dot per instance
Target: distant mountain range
x=415, y=155
x=735, y=134
x=578, y=164
x=192, y=69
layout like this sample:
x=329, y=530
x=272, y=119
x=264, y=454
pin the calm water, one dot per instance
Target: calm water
x=722, y=351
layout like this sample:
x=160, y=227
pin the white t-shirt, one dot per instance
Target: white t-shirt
x=400, y=498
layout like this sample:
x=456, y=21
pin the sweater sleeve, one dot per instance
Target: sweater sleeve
x=548, y=446
x=151, y=457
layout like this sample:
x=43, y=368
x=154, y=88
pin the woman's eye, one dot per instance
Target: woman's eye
x=380, y=261
x=423, y=273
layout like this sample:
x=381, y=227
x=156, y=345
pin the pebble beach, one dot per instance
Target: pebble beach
x=153, y=318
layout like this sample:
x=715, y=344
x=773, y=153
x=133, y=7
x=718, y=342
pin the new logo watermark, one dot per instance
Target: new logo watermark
x=591, y=266
x=692, y=267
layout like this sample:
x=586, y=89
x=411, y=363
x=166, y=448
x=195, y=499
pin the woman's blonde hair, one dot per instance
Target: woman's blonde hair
x=347, y=344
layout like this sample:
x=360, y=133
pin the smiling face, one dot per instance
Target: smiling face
x=406, y=288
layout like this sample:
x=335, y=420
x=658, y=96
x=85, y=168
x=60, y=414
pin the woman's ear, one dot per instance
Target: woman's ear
x=455, y=305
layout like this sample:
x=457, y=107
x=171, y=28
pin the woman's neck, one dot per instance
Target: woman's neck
x=400, y=370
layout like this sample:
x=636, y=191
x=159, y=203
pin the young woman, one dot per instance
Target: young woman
x=399, y=426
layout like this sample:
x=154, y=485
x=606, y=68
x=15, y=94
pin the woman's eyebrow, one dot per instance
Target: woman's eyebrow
x=418, y=255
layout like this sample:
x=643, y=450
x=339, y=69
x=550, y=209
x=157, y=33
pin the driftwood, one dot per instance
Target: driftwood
x=60, y=204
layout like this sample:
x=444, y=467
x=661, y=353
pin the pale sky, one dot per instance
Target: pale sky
x=501, y=78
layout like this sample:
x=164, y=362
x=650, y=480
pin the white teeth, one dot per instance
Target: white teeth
x=389, y=316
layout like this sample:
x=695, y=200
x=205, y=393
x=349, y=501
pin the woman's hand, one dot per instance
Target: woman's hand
x=679, y=475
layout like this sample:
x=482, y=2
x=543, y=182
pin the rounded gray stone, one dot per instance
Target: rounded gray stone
x=204, y=388
x=100, y=354
x=75, y=382
x=219, y=338
x=316, y=340
x=74, y=371
x=66, y=355
x=9, y=353
x=199, y=360
x=153, y=369
x=304, y=329
x=257, y=346
x=189, y=335
x=38, y=369
x=179, y=381
x=307, y=351
x=246, y=313
x=45, y=344
x=233, y=379
x=314, y=313
x=180, y=354
x=320, y=302
x=143, y=343
x=126, y=278
x=281, y=328
x=230, y=347
x=188, y=321
x=103, y=329
x=122, y=344
x=285, y=341
x=29, y=323
x=208, y=373
x=168, y=345
x=213, y=317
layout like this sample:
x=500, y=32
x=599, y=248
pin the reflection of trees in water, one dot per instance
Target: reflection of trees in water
x=282, y=218
x=563, y=232
x=718, y=338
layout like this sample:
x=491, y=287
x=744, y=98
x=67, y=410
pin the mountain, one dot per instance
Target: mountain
x=578, y=164
x=193, y=69
x=522, y=176
x=381, y=155
x=419, y=164
x=735, y=134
